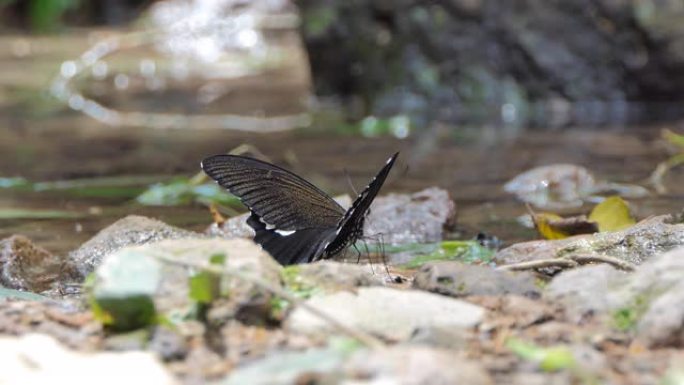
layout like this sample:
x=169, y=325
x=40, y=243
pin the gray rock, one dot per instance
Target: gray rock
x=156, y=272
x=441, y=337
x=25, y=266
x=405, y=365
x=663, y=322
x=584, y=291
x=390, y=313
x=461, y=280
x=129, y=231
x=421, y=217
x=335, y=276
x=636, y=244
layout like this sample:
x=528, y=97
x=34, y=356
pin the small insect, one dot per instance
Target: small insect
x=293, y=220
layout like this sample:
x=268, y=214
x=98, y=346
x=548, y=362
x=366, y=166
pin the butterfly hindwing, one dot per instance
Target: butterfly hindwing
x=280, y=198
x=300, y=246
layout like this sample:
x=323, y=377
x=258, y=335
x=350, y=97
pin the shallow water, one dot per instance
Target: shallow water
x=45, y=142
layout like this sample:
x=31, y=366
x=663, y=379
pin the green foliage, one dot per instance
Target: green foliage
x=205, y=286
x=463, y=251
x=46, y=15
x=183, y=191
x=37, y=214
x=549, y=359
x=626, y=318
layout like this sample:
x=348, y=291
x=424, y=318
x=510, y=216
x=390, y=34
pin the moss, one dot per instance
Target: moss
x=626, y=318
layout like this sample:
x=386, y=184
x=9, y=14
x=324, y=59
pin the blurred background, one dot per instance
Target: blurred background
x=107, y=107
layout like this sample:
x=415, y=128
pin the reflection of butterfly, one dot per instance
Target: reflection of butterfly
x=294, y=220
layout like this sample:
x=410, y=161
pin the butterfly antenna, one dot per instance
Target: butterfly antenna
x=349, y=181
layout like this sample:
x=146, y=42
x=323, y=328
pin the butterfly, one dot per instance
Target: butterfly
x=293, y=220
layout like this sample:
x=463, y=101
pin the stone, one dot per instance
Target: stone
x=637, y=244
x=333, y=276
x=584, y=291
x=392, y=314
x=421, y=217
x=415, y=365
x=39, y=359
x=26, y=266
x=129, y=231
x=462, y=280
x=160, y=273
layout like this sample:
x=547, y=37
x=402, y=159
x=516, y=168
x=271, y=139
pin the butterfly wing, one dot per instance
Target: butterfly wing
x=351, y=224
x=288, y=248
x=293, y=220
x=279, y=198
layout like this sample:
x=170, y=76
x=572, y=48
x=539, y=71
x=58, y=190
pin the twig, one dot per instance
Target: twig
x=569, y=262
x=532, y=265
x=359, y=335
x=615, y=262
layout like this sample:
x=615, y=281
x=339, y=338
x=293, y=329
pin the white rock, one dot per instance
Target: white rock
x=37, y=359
x=390, y=313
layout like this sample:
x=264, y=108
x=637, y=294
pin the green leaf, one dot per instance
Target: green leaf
x=550, y=359
x=464, y=251
x=122, y=292
x=37, y=214
x=205, y=286
x=612, y=214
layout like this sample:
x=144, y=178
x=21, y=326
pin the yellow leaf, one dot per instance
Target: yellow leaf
x=612, y=214
x=542, y=222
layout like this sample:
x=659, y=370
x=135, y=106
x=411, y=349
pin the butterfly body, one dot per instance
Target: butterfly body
x=292, y=219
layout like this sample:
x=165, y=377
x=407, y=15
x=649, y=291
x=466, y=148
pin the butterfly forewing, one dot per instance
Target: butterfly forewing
x=351, y=223
x=281, y=199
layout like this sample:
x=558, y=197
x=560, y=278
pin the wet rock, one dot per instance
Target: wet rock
x=421, y=217
x=39, y=359
x=584, y=291
x=636, y=244
x=461, y=280
x=26, y=266
x=390, y=313
x=415, y=366
x=332, y=276
x=129, y=231
x=556, y=186
x=156, y=277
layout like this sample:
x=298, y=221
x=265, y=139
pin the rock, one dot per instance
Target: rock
x=421, y=217
x=544, y=57
x=39, y=359
x=390, y=313
x=584, y=291
x=636, y=244
x=441, y=337
x=25, y=266
x=663, y=323
x=564, y=186
x=168, y=344
x=332, y=276
x=137, y=280
x=461, y=280
x=286, y=368
x=403, y=365
x=129, y=231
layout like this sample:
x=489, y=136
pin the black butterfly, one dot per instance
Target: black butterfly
x=294, y=220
